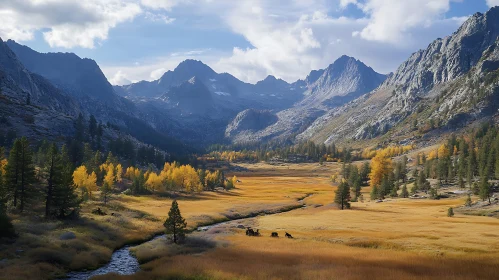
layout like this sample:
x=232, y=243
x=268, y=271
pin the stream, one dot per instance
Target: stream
x=124, y=263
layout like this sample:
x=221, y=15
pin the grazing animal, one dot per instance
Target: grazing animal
x=257, y=233
x=288, y=235
x=274, y=234
x=251, y=232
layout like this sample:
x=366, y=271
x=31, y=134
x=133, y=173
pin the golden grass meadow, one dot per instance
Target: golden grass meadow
x=395, y=239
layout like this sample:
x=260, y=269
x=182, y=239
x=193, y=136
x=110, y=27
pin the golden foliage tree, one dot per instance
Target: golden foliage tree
x=84, y=181
x=154, y=182
x=381, y=166
x=119, y=173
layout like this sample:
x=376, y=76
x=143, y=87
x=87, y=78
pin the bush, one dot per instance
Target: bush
x=6, y=227
x=53, y=256
x=450, y=212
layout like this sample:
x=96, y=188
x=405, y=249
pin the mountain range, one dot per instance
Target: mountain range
x=449, y=85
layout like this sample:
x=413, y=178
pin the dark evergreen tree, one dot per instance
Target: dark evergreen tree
x=65, y=200
x=364, y=173
x=175, y=224
x=404, y=193
x=374, y=193
x=53, y=176
x=342, y=196
x=472, y=163
x=105, y=192
x=92, y=127
x=485, y=189
x=6, y=227
x=20, y=173
x=80, y=128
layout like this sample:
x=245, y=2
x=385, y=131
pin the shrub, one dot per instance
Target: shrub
x=54, y=256
x=6, y=227
x=450, y=212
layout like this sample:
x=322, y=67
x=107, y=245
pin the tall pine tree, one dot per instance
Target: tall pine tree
x=342, y=196
x=65, y=201
x=20, y=173
x=175, y=224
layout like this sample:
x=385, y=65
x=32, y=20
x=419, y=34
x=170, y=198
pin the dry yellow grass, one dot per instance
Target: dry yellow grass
x=43, y=255
x=395, y=239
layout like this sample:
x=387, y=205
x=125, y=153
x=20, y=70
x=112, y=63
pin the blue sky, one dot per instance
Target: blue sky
x=136, y=40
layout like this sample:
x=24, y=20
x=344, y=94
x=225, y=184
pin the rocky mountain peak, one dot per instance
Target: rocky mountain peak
x=271, y=83
x=194, y=67
x=250, y=120
x=344, y=80
x=448, y=58
x=75, y=75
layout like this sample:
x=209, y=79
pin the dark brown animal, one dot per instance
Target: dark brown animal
x=288, y=235
x=274, y=234
x=257, y=233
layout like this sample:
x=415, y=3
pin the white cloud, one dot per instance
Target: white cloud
x=153, y=68
x=162, y=4
x=290, y=38
x=156, y=74
x=156, y=17
x=392, y=20
x=70, y=23
x=119, y=79
x=492, y=3
x=73, y=23
x=345, y=3
x=305, y=37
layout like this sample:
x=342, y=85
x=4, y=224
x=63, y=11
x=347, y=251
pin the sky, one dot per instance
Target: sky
x=134, y=40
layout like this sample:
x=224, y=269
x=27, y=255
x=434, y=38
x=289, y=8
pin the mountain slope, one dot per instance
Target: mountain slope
x=270, y=93
x=342, y=81
x=31, y=105
x=85, y=87
x=191, y=96
x=420, y=81
x=76, y=76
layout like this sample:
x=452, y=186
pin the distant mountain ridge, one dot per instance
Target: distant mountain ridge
x=448, y=85
x=342, y=81
x=270, y=93
x=404, y=103
x=69, y=85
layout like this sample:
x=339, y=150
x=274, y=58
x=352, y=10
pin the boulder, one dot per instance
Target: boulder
x=67, y=236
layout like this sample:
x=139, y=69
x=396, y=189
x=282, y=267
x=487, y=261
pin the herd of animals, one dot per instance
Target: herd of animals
x=252, y=232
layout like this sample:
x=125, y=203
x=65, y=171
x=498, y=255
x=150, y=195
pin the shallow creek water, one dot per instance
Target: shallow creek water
x=124, y=263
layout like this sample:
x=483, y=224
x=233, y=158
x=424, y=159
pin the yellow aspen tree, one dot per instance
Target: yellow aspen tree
x=443, y=151
x=119, y=173
x=154, y=182
x=109, y=178
x=3, y=163
x=91, y=183
x=80, y=176
x=380, y=167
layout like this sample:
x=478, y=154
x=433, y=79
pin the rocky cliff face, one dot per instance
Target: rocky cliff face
x=341, y=82
x=72, y=74
x=250, y=120
x=270, y=93
x=191, y=96
x=418, y=82
x=29, y=104
x=59, y=86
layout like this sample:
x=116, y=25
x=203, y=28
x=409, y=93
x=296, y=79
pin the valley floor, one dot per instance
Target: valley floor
x=394, y=239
